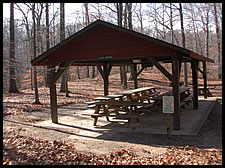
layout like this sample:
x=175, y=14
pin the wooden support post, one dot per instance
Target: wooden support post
x=105, y=75
x=106, y=80
x=53, y=99
x=176, y=94
x=194, y=67
x=134, y=74
x=53, y=96
x=205, y=80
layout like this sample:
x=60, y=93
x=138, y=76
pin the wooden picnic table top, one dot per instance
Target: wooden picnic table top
x=136, y=90
x=109, y=97
x=119, y=95
x=121, y=103
x=170, y=93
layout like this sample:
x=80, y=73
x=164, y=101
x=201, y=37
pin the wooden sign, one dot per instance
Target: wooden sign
x=168, y=104
x=168, y=107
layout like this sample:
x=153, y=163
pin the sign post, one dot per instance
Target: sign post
x=168, y=107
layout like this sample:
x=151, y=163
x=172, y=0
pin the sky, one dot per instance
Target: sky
x=73, y=11
x=70, y=9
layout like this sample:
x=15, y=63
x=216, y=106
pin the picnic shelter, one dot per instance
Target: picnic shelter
x=104, y=45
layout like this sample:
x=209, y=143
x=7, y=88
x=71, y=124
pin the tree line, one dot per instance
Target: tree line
x=195, y=26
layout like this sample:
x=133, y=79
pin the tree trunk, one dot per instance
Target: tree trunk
x=87, y=72
x=12, y=76
x=35, y=72
x=78, y=72
x=183, y=42
x=123, y=74
x=171, y=23
x=130, y=26
x=87, y=21
x=47, y=41
x=64, y=82
x=207, y=34
x=218, y=42
x=93, y=72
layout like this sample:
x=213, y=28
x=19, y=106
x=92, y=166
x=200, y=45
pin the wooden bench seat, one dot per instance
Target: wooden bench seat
x=92, y=102
x=88, y=111
x=92, y=106
x=188, y=98
x=102, y=115
x=154, y=94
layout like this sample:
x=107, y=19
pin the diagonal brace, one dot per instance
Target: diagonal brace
x=160, y=67
x=62, y=68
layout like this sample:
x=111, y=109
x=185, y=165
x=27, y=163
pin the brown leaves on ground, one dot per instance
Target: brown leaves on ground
x=19, y=149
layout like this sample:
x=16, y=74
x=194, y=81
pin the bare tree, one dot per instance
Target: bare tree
x=218, y=41
x=12, y=81
x=47, y=39
x=171, y=24
x=64, y=79
x=34, y=48
x=183, y=43
x=123, y=74
x=139, y=14
x=87, y=22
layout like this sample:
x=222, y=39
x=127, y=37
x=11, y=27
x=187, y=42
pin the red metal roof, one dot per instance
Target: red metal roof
x=104, y=40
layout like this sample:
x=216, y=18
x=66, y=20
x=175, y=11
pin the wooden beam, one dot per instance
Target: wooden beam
x=108, y=69
x=200, y=71
x=194, y=67
x=105, y=72
x=176, y=94
x=61, y=69
x=53, y=94
x=53, y=103
x=101, y=71
x=142, y=68
x=134, y=74
x=160, y=67
x=106, y=79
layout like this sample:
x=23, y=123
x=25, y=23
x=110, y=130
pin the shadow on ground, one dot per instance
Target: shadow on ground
x=209, y=136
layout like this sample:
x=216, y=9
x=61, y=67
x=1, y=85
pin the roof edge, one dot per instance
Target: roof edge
x=199, y=57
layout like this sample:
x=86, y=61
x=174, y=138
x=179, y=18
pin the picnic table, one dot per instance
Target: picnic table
x=129, y=106
x=126, y=101
x=136, y=94
x=185, y=97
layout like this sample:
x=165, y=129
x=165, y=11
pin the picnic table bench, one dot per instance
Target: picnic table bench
x=201, y=91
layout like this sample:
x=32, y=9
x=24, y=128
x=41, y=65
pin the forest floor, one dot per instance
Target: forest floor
x=24, y=143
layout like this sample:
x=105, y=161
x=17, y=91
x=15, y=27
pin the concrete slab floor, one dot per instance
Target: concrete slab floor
x=156, y=123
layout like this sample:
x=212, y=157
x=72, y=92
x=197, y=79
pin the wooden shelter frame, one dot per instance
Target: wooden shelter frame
x=104, y=66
